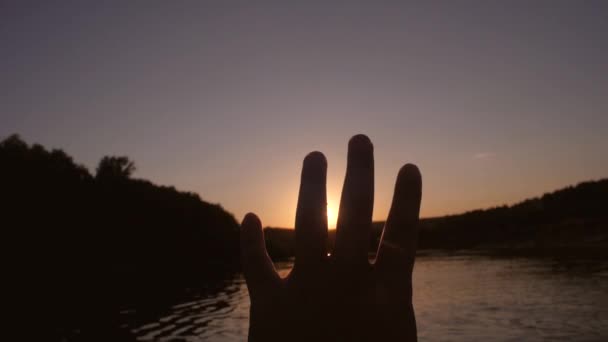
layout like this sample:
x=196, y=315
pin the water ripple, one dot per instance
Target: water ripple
x=463, y=298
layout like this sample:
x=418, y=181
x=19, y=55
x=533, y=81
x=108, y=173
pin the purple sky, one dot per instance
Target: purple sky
x=494, y=101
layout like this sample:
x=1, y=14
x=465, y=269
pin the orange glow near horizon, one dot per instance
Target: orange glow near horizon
x=437, y=200
x=332, y=215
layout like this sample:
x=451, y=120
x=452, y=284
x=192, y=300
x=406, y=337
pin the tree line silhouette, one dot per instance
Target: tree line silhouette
x=575, y=217
x=573, y=220
x=82, y=245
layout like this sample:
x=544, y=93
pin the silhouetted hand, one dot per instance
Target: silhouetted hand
x=339, y=297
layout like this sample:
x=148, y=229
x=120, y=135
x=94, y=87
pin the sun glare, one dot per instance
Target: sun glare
x=332, y=216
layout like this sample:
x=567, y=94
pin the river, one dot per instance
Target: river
x=456, y=298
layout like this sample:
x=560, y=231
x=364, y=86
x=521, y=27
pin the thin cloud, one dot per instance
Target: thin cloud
x=484, y=155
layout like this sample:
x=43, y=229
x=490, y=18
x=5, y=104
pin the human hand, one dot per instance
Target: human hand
x=341, y=297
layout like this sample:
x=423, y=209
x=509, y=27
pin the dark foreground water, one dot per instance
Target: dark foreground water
x=456, y=298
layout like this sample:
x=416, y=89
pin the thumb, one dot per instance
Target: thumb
x=259, y=270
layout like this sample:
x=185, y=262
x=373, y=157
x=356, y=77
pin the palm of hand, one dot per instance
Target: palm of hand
x=339, y=297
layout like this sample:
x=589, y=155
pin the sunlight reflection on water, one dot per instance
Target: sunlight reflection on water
x=456, y=298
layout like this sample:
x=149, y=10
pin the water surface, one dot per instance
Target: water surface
x=456, y=298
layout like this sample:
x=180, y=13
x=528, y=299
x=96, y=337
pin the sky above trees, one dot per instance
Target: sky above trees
x=495, y=102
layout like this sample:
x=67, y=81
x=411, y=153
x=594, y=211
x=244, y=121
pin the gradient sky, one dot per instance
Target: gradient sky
x=495, y=101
